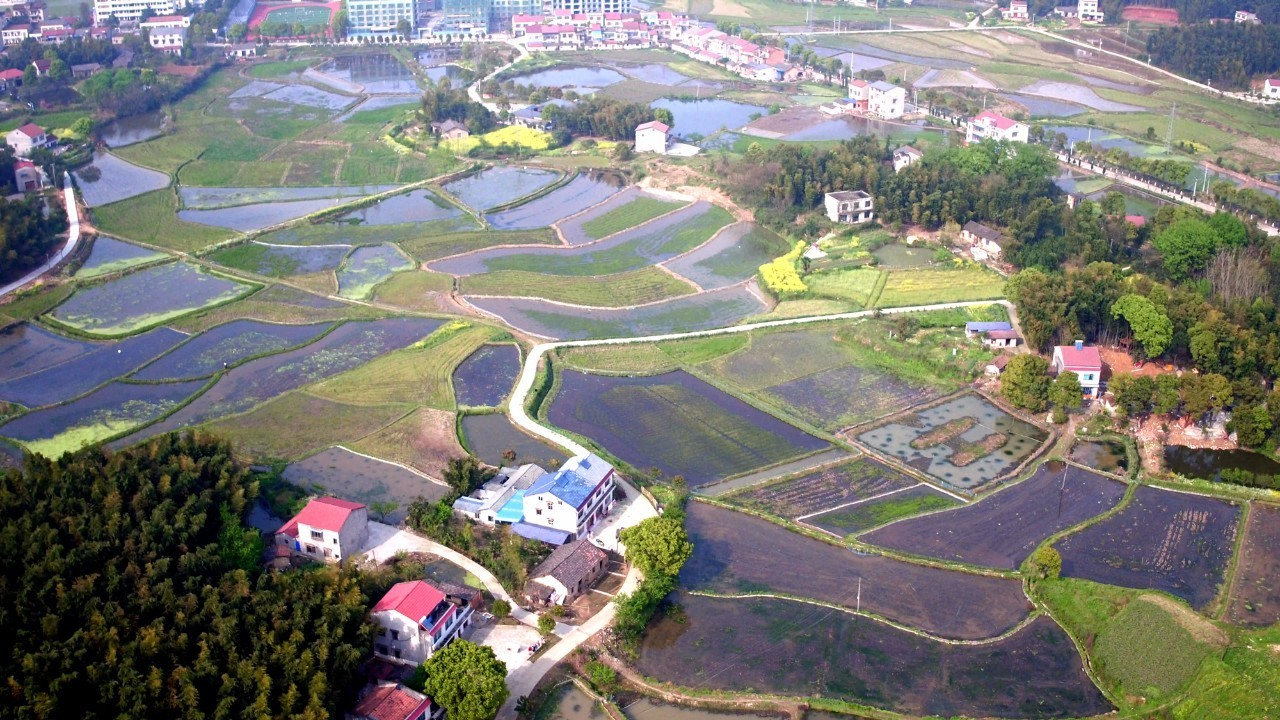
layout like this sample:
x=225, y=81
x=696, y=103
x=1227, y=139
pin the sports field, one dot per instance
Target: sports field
x=306, y=14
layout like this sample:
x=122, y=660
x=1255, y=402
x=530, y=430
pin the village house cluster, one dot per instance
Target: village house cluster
x=565, y=29
x=165, y=29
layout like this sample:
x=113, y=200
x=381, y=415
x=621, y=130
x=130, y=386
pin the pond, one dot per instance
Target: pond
x=116, y=180
x=500, y=185
x=440, y=72
x=485, y=378
x=488, y=436
x=377, y=73
x=415, y=206
x=132, y=129
x=655, y=73
x=583, y=80
x=1136, y=202
x=1208, y=464
x=1097, y=137
x=109, y=255
x=1043, y=107
x=847, y=127
x=707, y=115
x=903, y=256
x=1109, y=456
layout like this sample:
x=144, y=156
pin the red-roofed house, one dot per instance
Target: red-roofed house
x=27, y=176
x=10, y=78
x=27, y=138
x=652, y=137
x=1085, y=362
x=994, y=126
x=417, y=618
x=327, y=529
x=1271, y=87
x=393, y=701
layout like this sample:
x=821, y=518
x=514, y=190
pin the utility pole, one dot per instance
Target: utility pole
x=859, y=594
x=1168, y=138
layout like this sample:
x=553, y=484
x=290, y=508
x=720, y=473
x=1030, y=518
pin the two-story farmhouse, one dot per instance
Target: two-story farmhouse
x=988, y=125
x=572, y=569
x=568, y=503
x=1085, y=362
x=653, y=136
x=849, y=207
x=417, y=618
x=904, y=157
x=886, y=100
x=27, y=138
x=328, y=529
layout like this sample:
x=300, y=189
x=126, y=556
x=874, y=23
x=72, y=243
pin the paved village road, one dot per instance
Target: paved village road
x=73, y=239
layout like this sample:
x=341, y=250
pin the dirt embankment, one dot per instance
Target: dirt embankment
x=665, y=176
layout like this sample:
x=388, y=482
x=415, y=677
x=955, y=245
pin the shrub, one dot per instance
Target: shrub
x=780, y=276
x=1045, y=563
x=546, y=624
x=602, y=677
x=500, y=609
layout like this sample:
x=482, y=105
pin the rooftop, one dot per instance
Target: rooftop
x=392, y=702
x=570, y=563
x=1082, y=358
x=986, y=233
x=987, y=326
x=31, y=130
x=414, y=599
x=995, y=119
x=574, y=481
x=325, y=513
x=654, y=125
x=844, y=195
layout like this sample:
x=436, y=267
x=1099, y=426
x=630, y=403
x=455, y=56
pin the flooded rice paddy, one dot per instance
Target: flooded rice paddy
x=227, y=345
x=110, y=255
x=500, y=185
x=367, y=266
x=117, y=180
x=145, y=298
x=486, y=377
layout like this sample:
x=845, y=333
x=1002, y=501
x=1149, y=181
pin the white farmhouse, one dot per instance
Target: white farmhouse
x=417, y=618
x=567, y=504
x=886, y=100
x=1271, y=87
x=988, y=125
x=849, y=207
x=27, y=138
x=168, y=40
x=1085, y=362
x=501, y=500
x=653, y=137
x=904, y=157
x=327, y=529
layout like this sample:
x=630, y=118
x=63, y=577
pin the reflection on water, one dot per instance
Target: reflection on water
x=1105, y=455
x=705, y=116
x=132, y=129
x=1208, y=464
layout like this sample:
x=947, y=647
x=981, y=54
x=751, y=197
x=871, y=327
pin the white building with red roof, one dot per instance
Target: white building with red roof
x=328, y=529
x=27, y=138
x=994, y=126
x=416, y=618
x=1271, y=87
x=393, y=701
x=1085, y=362
x=653, y=137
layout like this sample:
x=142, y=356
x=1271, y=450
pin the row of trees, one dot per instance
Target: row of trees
x=132, y=589
x=604, y=117
x=443, y=102
x=1228, y=55
x=658, y=547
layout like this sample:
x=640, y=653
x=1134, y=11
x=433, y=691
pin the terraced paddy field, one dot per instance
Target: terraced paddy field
x=676, y=423
x=145, y=298
x=227, y=345
x=364, y=479
x=117, y=180
x=639, y=247
x=499, y=185
x=785, y=647
x=1002, y=529
x=739, y=554
x=90, y=367
x=367, y=266
x=416, y=206
x=109, y=255
x=1162, y=540
x=110, y=411
x=583, y=191
x=350, y=345
x=1255, y=597
x=630, y=208
x=846, y=522
x=703, y=311
x=822, y=489
x=27, y=348
x=281, y=260
x=213, y=198
x=965, y=442
x=486, y=377
x=634, y=287
x=733, y=255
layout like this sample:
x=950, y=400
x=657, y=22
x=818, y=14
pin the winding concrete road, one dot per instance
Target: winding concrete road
x=73, y=239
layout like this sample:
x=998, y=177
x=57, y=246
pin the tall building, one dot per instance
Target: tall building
x=465, y=16
x=587, y=6
x=131, y=10
x=380, y=16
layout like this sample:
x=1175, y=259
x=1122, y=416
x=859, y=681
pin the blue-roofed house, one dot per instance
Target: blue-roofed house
x=974, y=329
x=573, y=499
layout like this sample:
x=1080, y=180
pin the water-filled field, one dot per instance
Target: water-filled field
x=411, y=207
x=212, y=198
x=116, y=180
x=965, y=442
x=735, y=254
x=785, y=647
x=27, y=348
x=578, y=194
x=145, y=298
x=676, y=423
x=226, y=345
x=109, y=255
x=486, y=377
x=500, y=185
x=367, y=266
x=87, y=370
x=625, y=210
x=1002, y=529
x=260, y=215
x=489, y=436
x=281, y=260
x=1162, y=540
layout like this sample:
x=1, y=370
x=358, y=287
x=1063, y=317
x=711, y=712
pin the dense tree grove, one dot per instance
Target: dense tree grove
x=128, y=592
x=1226, y=54
x=442, y=102
x=603, y=117
x=26, y=235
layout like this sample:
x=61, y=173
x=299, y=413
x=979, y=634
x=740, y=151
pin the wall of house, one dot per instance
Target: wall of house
x=399, y=639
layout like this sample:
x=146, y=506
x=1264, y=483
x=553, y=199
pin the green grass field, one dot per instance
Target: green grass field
x=625, y=217
x=410, y=289
x=924, y=287
x=628, y=288
x=298, y=424
x=308, y=16
x=152, y=218
x=1147, y=652
x=855, y=284
x=421, y=375
x=433, y=247
x=652, y=358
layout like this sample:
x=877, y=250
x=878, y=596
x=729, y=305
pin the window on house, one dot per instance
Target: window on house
x=380, y=649
x=396, y=652
x=328, y=552
x=395, y=634
x=551, y=521
x=311, y=549
x=538, y=511
x=317, y=535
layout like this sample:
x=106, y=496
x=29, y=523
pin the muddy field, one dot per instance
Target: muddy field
x=83, y=373
x=781, y=646
x=822, y=489
x=1002, y=529
x=486, y=377
x=1162, y=540
x=1255, y=598
x=850, y=520
x=734, y=553
x=364, y=479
